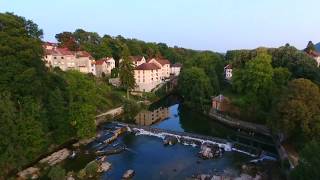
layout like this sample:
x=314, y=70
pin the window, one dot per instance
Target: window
x=62, y=57
x=54, y=57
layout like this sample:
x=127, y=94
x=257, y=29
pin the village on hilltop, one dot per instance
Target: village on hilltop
x=148, y=73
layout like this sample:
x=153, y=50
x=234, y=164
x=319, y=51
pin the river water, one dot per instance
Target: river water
x=150, y=159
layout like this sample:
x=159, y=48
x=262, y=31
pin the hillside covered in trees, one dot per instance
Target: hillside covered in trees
x=41, y=108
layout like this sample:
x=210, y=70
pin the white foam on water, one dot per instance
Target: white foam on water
x=162, y=135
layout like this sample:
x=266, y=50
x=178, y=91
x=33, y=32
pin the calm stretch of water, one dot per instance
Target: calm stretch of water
x=150, y=159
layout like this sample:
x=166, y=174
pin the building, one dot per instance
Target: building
x=85, y=62
x=65, y=59
x=164, y=64
x=150, y=74
x=316, y=56
x=228, y=72
x=147, y=77
x=104, y=66
x=137, y=60
x=147, y=118
x=220, y=103
x=175, y=69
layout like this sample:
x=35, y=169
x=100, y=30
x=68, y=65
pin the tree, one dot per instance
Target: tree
x=255, y=80
x=310, y=47
x=57, y=173
x=195, y=87
x=298, y=112
x=67, y=40
x=126, y=74
x=82, y=103
x=309, y=162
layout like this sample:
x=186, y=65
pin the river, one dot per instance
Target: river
x=150, y=159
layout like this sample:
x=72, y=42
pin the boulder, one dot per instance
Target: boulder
x=128, y=174
x=32, y=172
x=210, y=151
x=170, y=140
x=70, y=178
x=104, y=167
x=56, y=157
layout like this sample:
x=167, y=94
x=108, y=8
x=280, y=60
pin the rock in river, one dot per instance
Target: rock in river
x=170, y=140
x=128, y=174
x=209, y=151
x=104, y=167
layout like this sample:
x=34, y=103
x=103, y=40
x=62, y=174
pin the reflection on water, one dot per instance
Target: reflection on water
x=152, y=160
x=149, y=117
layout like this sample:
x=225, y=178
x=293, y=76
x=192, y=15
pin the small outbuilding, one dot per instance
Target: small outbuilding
x=220, y=103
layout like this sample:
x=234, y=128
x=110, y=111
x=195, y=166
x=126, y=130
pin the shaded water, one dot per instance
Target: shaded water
x=150, y=159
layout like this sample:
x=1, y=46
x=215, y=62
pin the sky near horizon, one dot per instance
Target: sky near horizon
x=217, y=25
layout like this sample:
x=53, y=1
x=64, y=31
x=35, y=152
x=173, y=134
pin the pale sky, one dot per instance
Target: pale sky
x=217, y=25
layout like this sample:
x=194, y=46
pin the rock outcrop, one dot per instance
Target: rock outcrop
x=209, y=151
x=29, y=173
x=128, y=174
x=56, y=157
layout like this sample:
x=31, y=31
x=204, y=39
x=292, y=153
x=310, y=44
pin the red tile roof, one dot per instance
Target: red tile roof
x=58, y=52
x=314, y=54
x=83, y=54
x=135, y=58
x=147, y=66
x=229, y=66
x=163, y=61
x=100, y=62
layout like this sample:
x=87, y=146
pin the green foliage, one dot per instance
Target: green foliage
x=310, y=47
x=91, y=168
x=115, y=72
x=131, y=109
x=67, y=40
x=126, y=74
x=309, y=163
x=40, y=108
x=57, y=173
x=255, y=80
x=299, y=109
x=195, y=87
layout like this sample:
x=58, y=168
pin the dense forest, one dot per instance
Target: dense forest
x=41, y=108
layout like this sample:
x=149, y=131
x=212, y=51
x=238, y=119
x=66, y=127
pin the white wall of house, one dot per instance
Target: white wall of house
x=317, y=60
x=105, y=67
x=165, y=69
x=146, y=80
x=175, y=70
x=228, y=73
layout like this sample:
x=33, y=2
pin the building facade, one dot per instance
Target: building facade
x=175, y=69
x=147, y=118
x=104, y=66
x=220, y=103
x=137, y=60
x=228, y=72
x=147, y=77
x=316, y=56
x=65, y=59
x=164, y=64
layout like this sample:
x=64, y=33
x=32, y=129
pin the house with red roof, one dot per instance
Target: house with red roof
x=316, y=56
x=104, y=66
x=137, y=60
x=150, y=74
x=164, y=64
x=65, y=59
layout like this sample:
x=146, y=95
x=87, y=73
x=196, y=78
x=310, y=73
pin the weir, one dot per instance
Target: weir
x=196, y=140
